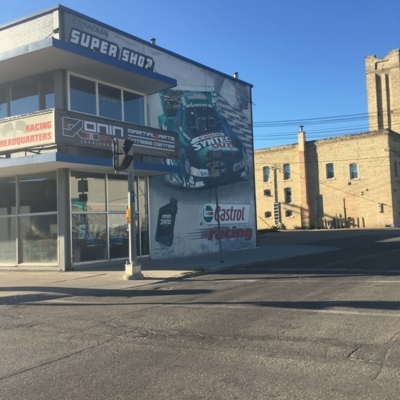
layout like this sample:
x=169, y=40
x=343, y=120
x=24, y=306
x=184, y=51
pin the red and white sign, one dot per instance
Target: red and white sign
x=29, y=131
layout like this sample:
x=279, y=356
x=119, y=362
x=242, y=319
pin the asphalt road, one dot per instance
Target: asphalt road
x=323, y=326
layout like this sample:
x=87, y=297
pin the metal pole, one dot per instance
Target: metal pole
x=219, y=225
x=132, y=268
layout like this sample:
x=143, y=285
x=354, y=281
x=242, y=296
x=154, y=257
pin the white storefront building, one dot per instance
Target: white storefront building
x=69, y=86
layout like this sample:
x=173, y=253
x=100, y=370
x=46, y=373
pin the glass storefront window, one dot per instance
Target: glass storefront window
x=82, y=95
x=113, y=102
x=48, y=90
x=7, y=197
x=3, y=102
x=100, y=232
x=117, y=193
x=38, y=193
x=143, y=215
x=133, y=108
x=88, y=192
x=110, y=102
x=118, y=236
x=25, y=97
x=38, y=239
x=89, y=237
x=8, y=240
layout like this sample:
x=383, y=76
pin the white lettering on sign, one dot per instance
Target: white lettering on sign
x=214, y=140
x=91, y=42
x=226, y=213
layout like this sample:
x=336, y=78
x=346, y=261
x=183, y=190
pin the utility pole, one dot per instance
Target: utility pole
x=133, y=270
x=123, y=160
x=214, y=172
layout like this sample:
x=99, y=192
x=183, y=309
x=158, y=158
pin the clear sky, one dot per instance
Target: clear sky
x=305, y=58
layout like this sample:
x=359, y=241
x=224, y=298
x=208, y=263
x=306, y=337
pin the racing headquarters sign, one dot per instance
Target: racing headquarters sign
x=29, y=131
x=99, y=39
x=227, y=214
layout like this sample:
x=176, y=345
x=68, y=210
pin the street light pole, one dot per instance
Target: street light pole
x=214, y=169
x=218, y=221
x=132, y=268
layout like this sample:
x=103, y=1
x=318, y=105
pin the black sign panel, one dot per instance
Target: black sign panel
x=95, y=132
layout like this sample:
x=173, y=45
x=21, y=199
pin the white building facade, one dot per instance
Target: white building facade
x=69, y=86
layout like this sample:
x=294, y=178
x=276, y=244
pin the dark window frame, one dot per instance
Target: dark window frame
x=288, y=195
x=287, y=174
x=266, y=176
x=330, y=170
x=353, y=173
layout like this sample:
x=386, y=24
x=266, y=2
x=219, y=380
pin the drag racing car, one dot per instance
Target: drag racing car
x=202, y=131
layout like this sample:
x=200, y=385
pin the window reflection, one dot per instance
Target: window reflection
x=118, y=236
x=8, y=240
x=48, y=90
x=89, y=237
x=3, y=102
x=38, y=193
x=92, y=186
x=144, y=216
x=38, y=236
x=82, y=95
x=25, y=97
x=7, y=197
x=110, y=102
x=117, y=193
x=133, y=108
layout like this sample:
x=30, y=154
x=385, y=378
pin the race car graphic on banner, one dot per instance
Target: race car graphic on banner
x=201, y=130
x=217, y=120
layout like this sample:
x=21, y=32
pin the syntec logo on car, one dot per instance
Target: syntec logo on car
x=212, y=139
x=226, y=213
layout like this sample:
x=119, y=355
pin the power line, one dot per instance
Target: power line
x=316, y=121
x=321, y=120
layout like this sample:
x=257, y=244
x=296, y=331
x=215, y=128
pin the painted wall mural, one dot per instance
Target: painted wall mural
x=213, y=123
x=211, y=199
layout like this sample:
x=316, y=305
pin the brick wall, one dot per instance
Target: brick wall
x=383, y=91
x=26, y=32
x=275, y=158
x=357, y=200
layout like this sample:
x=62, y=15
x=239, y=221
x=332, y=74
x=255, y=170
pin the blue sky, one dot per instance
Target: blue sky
x=305, y=58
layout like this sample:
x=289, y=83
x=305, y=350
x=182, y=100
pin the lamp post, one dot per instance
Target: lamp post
x=123, y=160
x=133, y=269
x=214, y=172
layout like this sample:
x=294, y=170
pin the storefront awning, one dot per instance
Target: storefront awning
x=51, y=54
x=52, y=161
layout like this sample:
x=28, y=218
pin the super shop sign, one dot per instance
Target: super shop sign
x=227, y=214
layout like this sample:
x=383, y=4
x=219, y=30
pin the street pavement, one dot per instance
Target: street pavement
x=16, y=285
x=294, y=325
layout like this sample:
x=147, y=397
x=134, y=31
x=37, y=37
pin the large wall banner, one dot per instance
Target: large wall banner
x=88, y=131
x=27, y=131
x=211, y=115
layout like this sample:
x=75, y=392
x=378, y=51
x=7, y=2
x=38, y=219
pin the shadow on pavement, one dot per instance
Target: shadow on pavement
x=44, y=293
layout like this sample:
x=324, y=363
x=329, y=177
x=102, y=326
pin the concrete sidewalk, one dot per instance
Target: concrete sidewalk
x=17, y=286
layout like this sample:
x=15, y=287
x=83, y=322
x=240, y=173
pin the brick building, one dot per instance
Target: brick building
x=345, y=181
